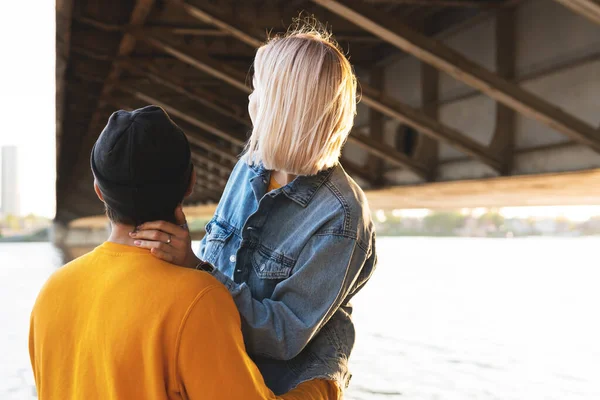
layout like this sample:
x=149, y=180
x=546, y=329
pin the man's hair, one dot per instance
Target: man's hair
x=118, y=218
x=306, y=101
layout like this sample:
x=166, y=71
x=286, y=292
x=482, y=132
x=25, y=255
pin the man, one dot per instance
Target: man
x=118, y=323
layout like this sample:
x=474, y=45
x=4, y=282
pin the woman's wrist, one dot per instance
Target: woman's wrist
x=192, y=261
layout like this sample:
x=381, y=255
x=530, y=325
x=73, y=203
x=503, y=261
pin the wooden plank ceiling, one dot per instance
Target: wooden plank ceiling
x=193, y=57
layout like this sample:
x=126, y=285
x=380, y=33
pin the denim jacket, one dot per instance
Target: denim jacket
x=292, y=259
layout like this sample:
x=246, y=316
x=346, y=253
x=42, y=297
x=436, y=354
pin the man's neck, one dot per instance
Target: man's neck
x=120, y=234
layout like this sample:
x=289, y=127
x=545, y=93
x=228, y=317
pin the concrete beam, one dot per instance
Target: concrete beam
x=138, y=17
x=200, y=61
x=229, y=75
x=427, y=150
x=503, y=141
x=589, y=9
x=376, y=128
x=140, y=13
x=64, y=10
x=389, y=154
x=373, y=98
x=203, y=171
x=443, y=3
x=200, y=96
x=428, y=126
x=196, y=140
x=192, y=120
x=452, y=62
x=209, y=191
x=245, y=35
x=224, y=169
x=360, y=171
x=571, y=188
x=160, y=30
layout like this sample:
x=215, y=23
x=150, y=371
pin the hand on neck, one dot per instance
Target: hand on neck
x=120, y=234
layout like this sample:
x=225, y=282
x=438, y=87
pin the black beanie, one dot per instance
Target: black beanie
x=142, y=164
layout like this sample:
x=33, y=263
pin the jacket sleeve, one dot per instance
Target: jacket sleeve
x=211, y=359
x=281, y=326
x=200, y=251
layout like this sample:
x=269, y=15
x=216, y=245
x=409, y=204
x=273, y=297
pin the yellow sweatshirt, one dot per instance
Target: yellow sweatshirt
x=118, y=323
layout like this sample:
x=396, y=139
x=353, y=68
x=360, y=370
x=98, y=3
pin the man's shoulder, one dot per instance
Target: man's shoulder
x=198, y=295
x=186, y=285
x=69, y=270
x=62, y=280
x=195, y=281
x=163, y=279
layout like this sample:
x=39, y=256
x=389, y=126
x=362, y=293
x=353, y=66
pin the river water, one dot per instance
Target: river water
x=441, y=319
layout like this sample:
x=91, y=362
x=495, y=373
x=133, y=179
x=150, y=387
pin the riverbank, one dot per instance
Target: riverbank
x=42, y=235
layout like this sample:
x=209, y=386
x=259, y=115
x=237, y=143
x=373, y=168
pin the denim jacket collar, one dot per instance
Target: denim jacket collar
x=302, y=189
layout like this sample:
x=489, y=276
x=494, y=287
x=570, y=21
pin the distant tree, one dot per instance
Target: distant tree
x=444, y=222
x=12, y=222
x=491, y=221
x=492, y=217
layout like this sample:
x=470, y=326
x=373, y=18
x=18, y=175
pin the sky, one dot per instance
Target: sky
x=27, y=89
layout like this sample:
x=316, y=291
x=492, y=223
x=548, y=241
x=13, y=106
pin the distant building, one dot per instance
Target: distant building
x=9, y=188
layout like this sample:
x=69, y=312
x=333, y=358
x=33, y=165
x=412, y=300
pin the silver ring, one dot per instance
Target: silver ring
x=169, y=241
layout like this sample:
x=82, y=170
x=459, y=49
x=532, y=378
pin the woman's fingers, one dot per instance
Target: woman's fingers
x=154, y=235
x=163, y=255
x=167, y=241
x=163, y=226
x=178, y=252
x=150, y=244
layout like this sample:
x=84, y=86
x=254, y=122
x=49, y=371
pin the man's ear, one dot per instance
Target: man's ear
x=98, y=192
x=190, y=188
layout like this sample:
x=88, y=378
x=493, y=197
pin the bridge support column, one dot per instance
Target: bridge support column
x=58, y=233
x=75, y=241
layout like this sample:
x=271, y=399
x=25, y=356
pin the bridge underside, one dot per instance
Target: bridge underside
x=452, y=90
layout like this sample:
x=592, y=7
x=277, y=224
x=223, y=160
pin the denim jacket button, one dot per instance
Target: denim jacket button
x=232, y=258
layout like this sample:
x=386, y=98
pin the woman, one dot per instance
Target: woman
x=292, y=237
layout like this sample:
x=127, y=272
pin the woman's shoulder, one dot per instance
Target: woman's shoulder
x=244, y=173
x=240, y=169
x=352, y=207
x=237, y=197
x=347, y=191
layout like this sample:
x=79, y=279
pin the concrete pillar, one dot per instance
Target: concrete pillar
x=58, y=233
x=76, y=241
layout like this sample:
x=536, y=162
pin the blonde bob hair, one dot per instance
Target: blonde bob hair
x=305, y=103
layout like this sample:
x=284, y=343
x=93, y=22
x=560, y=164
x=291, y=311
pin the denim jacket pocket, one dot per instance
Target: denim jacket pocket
x=217, y=234
x=270, y=266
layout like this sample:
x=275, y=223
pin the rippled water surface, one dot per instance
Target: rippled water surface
x=440, y=319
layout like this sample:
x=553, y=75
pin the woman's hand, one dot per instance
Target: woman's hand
x=167, y=241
